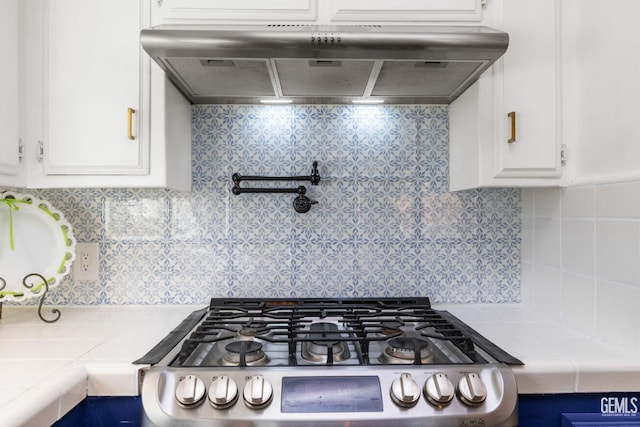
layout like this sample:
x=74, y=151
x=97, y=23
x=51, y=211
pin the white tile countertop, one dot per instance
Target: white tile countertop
x=47, y=369
x=557, y=359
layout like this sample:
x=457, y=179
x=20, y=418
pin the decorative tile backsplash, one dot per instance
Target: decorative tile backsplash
x=385, y=224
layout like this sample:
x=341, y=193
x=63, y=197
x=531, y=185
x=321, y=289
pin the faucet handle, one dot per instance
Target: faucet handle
x=302, y=204
x=315, y=174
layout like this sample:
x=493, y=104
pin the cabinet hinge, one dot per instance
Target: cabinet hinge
x=159, y=3
x=40, y=153
x=563, y=155
x=20, y=150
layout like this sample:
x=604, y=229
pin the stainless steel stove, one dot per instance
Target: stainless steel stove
x=327, y=363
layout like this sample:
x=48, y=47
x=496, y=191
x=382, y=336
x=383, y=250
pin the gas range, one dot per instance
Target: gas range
x=326, y=363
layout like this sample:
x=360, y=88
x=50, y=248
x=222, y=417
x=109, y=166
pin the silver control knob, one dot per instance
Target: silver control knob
x=257, y=392
x=438, y=389
x=223, y=392
x=405, y=391
x=471, y=389
x=190, y=391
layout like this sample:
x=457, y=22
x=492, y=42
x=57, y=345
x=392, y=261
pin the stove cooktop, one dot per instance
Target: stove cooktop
x=316, y=332
x=324, y=363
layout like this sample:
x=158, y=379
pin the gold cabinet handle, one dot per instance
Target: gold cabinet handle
x=130, y=112
x=512, y=116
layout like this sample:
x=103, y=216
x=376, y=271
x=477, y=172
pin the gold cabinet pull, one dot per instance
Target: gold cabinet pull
x=512, y=116
x=130, y=112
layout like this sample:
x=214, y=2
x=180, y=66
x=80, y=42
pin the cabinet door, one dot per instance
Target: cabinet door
x=524, y=81
x=222, y=11
x=401, y=10
x=92, y=80
x=527, y=84
x=8, y=90
x=320, y=11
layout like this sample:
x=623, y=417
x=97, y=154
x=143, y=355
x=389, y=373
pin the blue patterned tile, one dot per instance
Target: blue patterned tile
x=135, y=215
x=197, y=271
x=133, y=272
x=385, y=224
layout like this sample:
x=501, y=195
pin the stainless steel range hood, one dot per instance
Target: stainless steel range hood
x=322, y=64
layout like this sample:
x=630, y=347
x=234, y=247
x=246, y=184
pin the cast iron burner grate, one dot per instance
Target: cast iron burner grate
x=357, y=323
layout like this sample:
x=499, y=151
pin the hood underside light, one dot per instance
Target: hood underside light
x=276, y=101
x=368, y=101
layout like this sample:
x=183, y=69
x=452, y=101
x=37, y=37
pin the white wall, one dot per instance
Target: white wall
x=581, y=258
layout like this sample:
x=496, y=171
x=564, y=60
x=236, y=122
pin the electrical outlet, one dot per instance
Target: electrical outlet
x=85, y=266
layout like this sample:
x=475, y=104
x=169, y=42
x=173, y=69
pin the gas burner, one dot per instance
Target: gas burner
x=326, y=345
x=410, y=351
x=247, y=332
x=390, y=328
x=250, y=329
x=244, y=353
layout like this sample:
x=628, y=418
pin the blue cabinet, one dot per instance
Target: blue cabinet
x=579, y=410
x=104, y=412
x=537, y=410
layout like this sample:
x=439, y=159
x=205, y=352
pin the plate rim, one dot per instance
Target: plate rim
x=20, y=291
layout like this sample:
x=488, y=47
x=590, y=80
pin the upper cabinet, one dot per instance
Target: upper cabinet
x=506, y=129
x=400, y=11
x=9, y=138
x=103, y=103
x=602, y=51
x=318, y=11
x=94, y=118
x=241, y=11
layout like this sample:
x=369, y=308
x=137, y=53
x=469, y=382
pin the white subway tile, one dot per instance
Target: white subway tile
x=617, y=314
x=579, y=202
x=527, y=284
x=547, y=242
x=548, y=290
x=578, y=245
x=578, y=302
x=618, y=251
x=526, y=245
x=547, y=202
x=527, y=196
x=618, y=200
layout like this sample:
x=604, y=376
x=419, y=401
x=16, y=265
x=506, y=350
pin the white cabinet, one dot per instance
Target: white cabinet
x=9, y=139
x=318, y=11
x=98, y=102
x=526, y=81
x=93, y=81
x=223, y=11
x=602, y=91
x=410, y=11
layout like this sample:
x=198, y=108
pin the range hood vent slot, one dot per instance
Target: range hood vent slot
x=228, y=78
x=315, y=64
x=408, y=78
x=323, y=78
